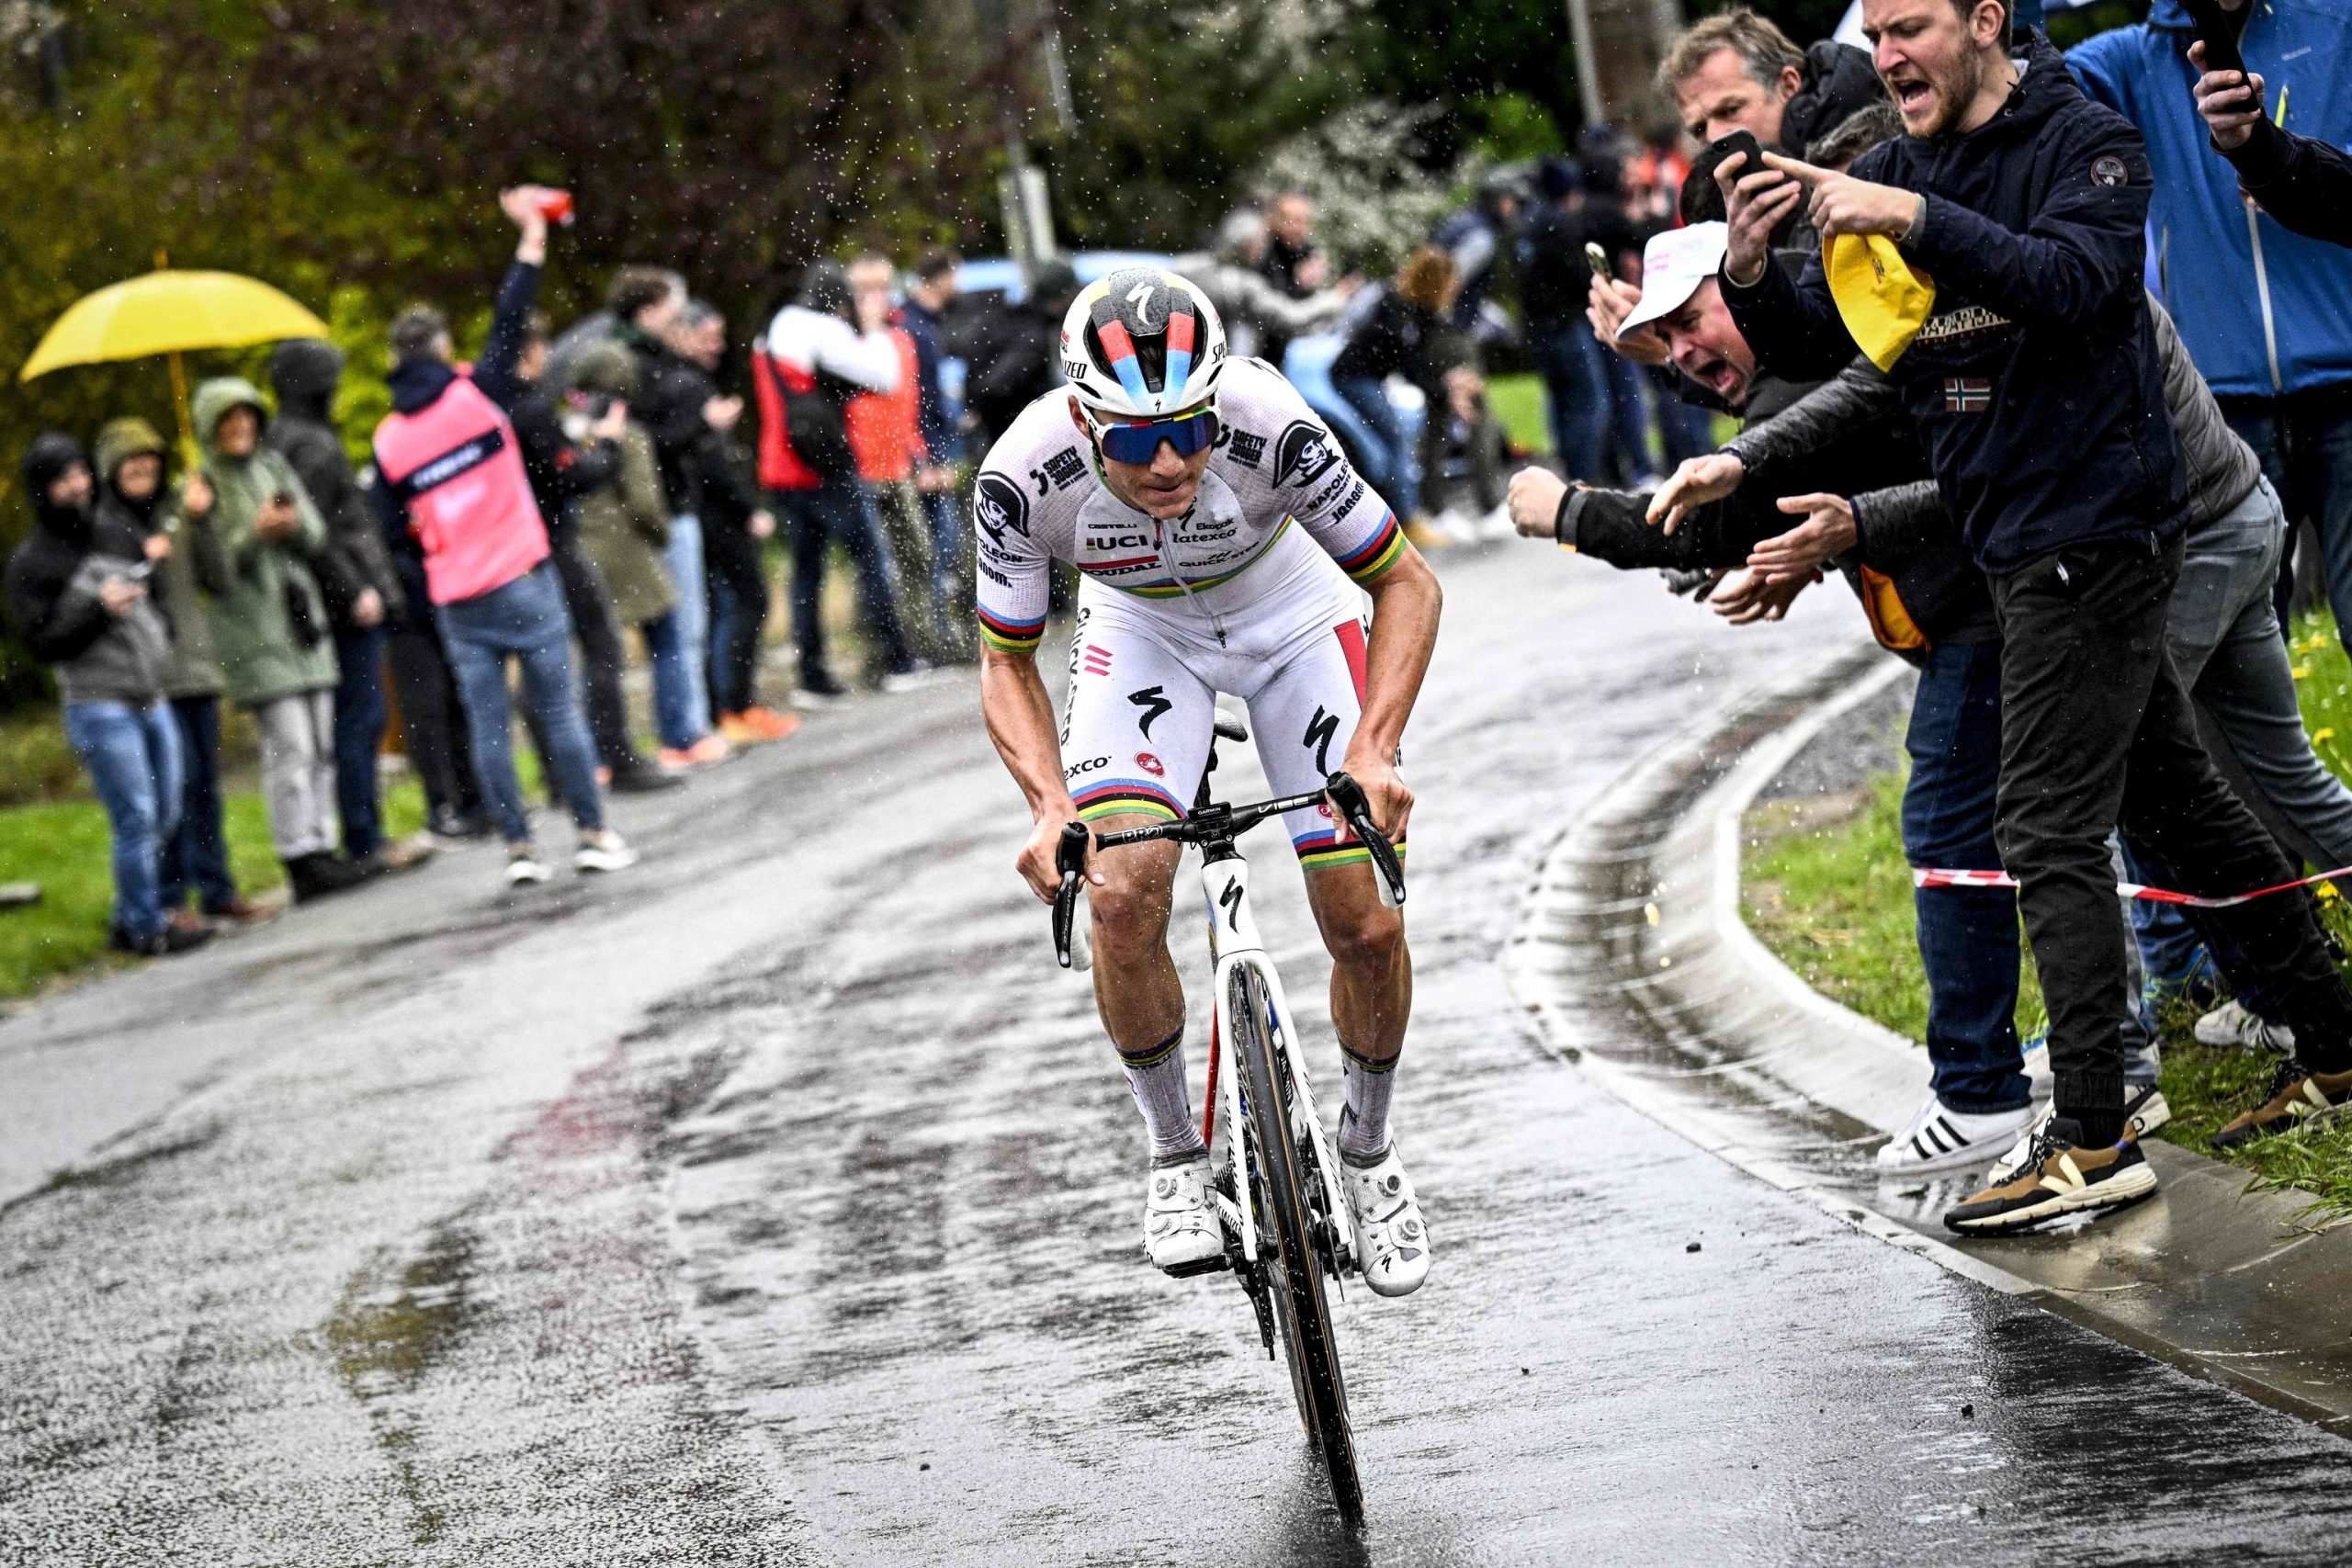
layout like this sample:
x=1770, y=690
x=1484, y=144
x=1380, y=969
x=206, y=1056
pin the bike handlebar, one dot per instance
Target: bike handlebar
x=1222, y=822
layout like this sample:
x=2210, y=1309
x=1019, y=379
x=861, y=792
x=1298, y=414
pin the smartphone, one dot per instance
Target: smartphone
x=1597, y=259
x=1741, y=141
x=2219, y=34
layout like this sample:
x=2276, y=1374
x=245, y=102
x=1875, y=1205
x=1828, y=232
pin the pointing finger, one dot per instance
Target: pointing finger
x=1797, y=169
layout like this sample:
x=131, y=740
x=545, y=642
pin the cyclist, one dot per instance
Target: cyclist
x=1224, y=544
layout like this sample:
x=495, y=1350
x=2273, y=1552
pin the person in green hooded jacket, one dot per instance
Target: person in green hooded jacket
x=269, y=626
x=130, y=456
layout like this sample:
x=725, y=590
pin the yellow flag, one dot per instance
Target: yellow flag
x=1883, y=298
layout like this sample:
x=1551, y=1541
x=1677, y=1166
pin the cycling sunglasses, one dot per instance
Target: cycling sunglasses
x=1137, y=440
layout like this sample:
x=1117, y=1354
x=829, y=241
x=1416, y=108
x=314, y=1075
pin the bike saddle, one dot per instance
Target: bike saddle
x=1231, y=729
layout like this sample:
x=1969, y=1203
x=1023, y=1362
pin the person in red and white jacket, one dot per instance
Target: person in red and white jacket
x=885, y=435
x=448, y=468
x=812, y=361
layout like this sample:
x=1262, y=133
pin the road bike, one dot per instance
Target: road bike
x=1287, y=1227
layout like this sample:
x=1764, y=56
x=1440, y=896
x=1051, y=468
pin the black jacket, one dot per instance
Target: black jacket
x=2303, y=182
x=304, y=372
x=1840, y=82
x=2035, y=383
x=1397, y=338
x=670, y=395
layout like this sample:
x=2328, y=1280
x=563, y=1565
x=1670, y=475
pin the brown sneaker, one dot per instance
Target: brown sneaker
x=2057, y=1177
x=2297, y=1094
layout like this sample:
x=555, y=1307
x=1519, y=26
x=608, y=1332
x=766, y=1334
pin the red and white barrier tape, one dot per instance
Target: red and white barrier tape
x=1923, y=877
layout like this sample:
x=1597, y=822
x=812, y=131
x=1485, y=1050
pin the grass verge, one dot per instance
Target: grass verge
x=1825, y=887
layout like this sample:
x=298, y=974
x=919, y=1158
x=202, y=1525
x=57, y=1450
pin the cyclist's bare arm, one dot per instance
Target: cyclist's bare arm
x=1021, y=721
x=1405, y=604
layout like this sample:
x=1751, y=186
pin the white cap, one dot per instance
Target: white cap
x=1673, y=266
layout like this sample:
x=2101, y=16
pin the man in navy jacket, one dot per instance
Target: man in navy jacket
x=2036, y=384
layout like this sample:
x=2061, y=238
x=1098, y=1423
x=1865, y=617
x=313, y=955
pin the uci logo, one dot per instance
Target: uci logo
x=1118, y=542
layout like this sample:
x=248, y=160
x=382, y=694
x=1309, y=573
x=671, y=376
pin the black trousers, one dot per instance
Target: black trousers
x=735, y=575
x=432, y=721
x=604, y=659
x=2097, y=732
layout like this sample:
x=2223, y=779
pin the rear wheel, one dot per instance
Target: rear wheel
x=1295, y=1276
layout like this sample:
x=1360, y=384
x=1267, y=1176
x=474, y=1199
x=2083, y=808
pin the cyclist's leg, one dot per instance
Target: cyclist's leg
x=1135, y=738
x=1303, y=716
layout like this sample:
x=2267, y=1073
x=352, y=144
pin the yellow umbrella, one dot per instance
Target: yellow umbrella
x=166, y=312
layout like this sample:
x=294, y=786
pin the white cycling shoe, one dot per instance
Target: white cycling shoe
x=1180, y=1227
x=1392, y=1242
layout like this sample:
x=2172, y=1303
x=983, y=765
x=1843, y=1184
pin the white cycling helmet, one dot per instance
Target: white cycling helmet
x=1143, y=342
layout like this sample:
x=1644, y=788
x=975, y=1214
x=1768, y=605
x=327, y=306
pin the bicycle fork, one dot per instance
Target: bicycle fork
x=1234, y=942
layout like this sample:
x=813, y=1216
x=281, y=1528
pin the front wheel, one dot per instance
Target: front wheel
x=1295, y=1276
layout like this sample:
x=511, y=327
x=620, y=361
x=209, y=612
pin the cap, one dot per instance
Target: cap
x=1883, y=299
x=1673, y=266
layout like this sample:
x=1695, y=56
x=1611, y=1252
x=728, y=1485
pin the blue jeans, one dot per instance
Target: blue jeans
x=673, y=679
x=1629, y=425
x=198, y=853
x=525, y=619
x=133, y=758
x=359, y=718
x=951, y=536
x=2306, y=454
x=682, y=558
x=1389, y=451
x=1968, y=936
x=1576, y=392
x=844, y=514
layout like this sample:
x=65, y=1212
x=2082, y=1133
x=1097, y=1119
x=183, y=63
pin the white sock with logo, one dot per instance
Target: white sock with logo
x=1156, y=1076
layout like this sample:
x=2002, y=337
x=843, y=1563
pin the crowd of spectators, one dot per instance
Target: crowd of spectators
x=514, y=518
x=1938, y=309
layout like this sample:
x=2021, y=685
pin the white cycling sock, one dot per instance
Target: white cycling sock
x=1363, y=1131
x=1156, y=1076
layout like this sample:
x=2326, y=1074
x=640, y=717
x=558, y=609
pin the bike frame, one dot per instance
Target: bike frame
x=1234, y=943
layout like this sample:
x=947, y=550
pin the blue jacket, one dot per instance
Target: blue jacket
x=2036, y=383
x=2263, y=310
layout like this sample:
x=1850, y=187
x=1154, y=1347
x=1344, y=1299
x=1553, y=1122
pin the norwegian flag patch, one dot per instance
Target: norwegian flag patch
x=1967, y=394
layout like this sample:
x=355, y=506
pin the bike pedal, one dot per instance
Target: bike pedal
x=1206, y=1266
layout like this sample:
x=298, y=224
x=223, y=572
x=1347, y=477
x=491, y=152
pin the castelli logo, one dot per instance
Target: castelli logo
x=1151, y=764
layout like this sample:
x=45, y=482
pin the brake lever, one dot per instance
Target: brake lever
x=1072, y=948
x=1390, y=881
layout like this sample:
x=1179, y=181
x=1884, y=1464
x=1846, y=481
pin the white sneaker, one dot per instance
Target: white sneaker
x=606, y=852
x=1392, y=1244
x=525, y=866
x=2232, y=1024
x=1455, y=527
x=2142, y=1114
x=1496, y=525
x=1181, y=1228
x=1939, y=1138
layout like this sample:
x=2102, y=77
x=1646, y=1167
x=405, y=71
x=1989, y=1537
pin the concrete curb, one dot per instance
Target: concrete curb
x=1631, y=954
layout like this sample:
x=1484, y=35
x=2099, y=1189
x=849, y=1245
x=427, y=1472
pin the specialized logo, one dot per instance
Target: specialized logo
x=997, y=505
x=1092, y=765
x=1153, y=703
x=1320, y=731
x=1230, y=902
x=1140, y=298
x=2106, y=169
x=1967, y=394
x=1151, y=764
x=1303, y=454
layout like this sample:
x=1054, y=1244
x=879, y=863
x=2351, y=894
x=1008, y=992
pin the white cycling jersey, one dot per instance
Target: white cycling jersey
x=1248, y=594
x=1038, y=499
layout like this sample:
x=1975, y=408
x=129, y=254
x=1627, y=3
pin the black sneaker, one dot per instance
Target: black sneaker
x=2057, y=1177
x=322, y=876
x=637, y=776
x=818, y=692
x=2296, y=1095
x=163, y=943
x=456, y=827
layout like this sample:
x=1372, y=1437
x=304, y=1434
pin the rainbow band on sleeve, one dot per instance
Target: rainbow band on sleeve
x=1377, y=553
x=1321, y=851
x=1010, y=635
x=1114, y=797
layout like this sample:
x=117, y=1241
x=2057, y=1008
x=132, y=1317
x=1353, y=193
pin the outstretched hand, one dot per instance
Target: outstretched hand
x=1828, y=530
x=1750, y=598
x=1534, y=502
x=2231, y=101
x=1840, y=204
x=1698, y=481
x=522, y=206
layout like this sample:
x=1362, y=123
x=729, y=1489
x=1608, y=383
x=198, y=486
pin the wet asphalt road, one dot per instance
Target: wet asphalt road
x=776, y=1203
